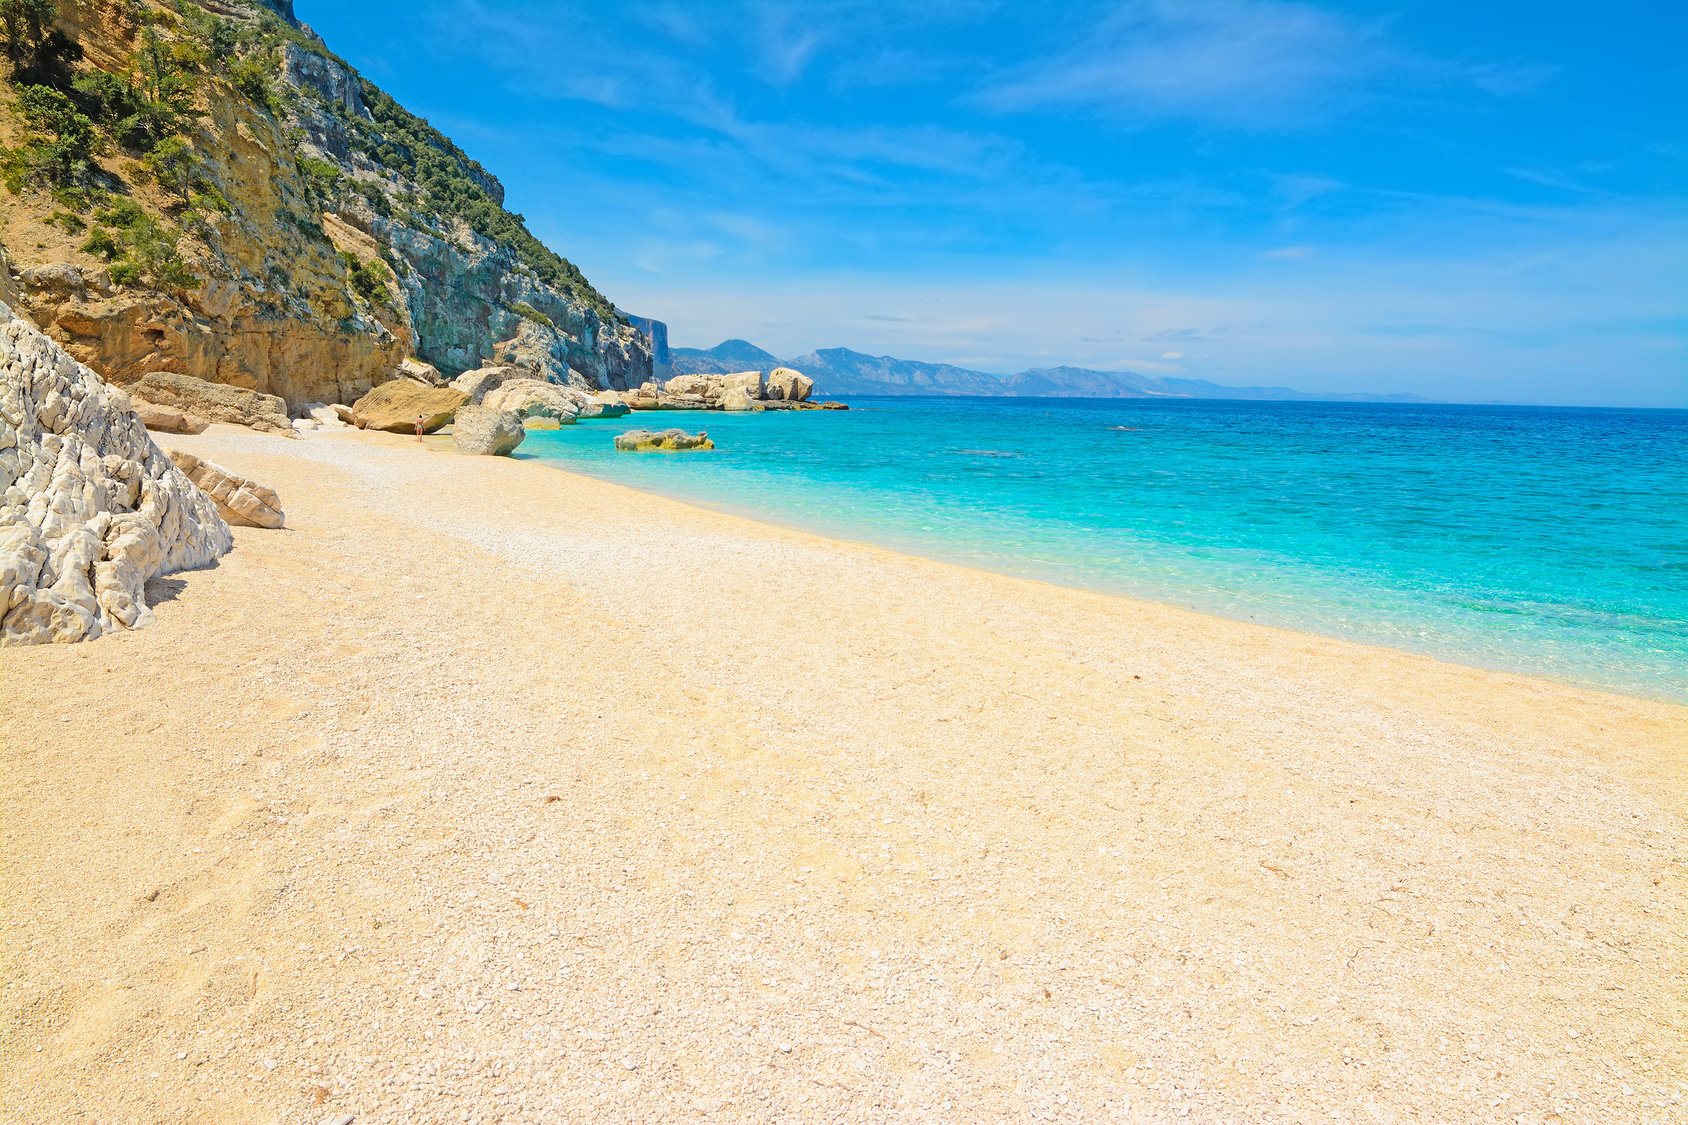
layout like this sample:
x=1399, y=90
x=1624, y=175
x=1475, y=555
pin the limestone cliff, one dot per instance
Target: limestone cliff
x=248, y=210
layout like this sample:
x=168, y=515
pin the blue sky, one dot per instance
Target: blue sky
x=1476, y=202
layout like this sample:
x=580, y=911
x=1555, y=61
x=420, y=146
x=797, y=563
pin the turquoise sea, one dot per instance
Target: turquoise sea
x=1542, y=540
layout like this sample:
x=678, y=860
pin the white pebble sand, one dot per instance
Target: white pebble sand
x=489, y=793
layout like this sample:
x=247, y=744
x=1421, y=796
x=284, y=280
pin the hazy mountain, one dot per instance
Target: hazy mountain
x=723, y=359
x=840, y=371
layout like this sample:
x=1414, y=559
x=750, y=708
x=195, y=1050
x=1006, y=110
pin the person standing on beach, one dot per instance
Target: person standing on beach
x=419, y=427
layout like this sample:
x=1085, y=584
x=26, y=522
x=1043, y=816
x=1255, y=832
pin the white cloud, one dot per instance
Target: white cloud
x=1247, y=63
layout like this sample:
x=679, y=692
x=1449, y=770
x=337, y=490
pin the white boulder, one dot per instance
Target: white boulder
x=90, y=508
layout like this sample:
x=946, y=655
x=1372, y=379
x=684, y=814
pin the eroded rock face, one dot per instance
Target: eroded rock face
x=641, y=440
x=484, y=431
x=90, y=509
x=216, y=402
x=739, y=398
x=790, y=385
x=395, y=406
x=239, y=500
x=478, y=382
x=531, y=399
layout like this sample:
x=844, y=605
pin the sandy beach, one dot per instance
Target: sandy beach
x=489, y=793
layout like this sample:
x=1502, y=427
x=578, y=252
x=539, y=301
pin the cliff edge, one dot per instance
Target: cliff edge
x=204, y=188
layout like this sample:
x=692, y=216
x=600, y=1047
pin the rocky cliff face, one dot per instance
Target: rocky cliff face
x=323, y=233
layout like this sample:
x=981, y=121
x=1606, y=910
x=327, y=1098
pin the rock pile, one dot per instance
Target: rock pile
x=239, y=500
x=90, y=509
x=783, y=388
x=215, y=402
x=641, y=440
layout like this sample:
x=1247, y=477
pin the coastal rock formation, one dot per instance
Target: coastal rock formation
x=604, y=404
x=214, y=402
x=739, y=398
x=485, y=431
x=312, y=236
x=641, y=440
x=530, y=398
x=394, y=407
x=240, y=501
x=90, y=509
x=167, y=419
x=783, y=389
x=478, y=382
x=789, y=384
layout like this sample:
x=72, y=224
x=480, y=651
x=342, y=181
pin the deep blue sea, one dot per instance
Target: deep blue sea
x=1542, y=540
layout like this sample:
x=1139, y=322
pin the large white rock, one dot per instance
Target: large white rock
x=483, y=431
x=90, y=508
x=789, y=384
x=532, y=398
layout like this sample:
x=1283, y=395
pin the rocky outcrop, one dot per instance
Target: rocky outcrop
x=240, y=501
x=530, y=399
x=167, y=419
x=782, y=389
x=738, y=399
x=788, y=384
x=484, y=431
x=478, y=382
x=395, y=406
x=642, y=440
x=436, y=271
x=90, y=509
x=604, y=404
x=215, y=402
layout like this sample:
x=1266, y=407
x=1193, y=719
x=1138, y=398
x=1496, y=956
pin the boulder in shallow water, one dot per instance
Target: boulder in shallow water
x=394, y=406
x=789, y=384
x=640, y=440
x=239, y=500
x=486, y=432
x=90, y=508
x=740, y=398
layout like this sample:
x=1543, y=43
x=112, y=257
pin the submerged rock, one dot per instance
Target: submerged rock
x=90, y=508
x=484, y=431
x=638, y=440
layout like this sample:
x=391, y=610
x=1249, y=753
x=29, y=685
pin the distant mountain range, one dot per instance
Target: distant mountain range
x=840, y=371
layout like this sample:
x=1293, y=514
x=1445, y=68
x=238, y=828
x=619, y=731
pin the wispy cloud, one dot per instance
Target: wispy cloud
x=1251, y=63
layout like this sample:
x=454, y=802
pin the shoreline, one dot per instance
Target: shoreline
x=1635, y=690
x=524, y=793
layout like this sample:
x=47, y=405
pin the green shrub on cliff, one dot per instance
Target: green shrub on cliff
x=367, y=281
x=140, y=248
x=58, y=143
